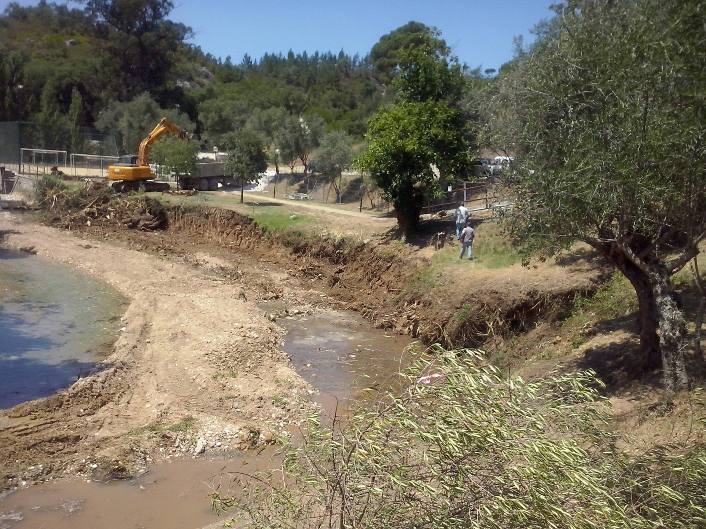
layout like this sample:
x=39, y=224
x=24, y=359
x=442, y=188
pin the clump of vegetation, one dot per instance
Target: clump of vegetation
x=46, y=186
x=184, y=425
x=175, y=156
x=464, y=447
x=94, y=205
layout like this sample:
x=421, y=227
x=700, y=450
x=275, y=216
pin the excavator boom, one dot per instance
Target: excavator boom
x=126, y=177
x=163, y=127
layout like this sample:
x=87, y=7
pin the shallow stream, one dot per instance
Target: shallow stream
x=55, y=326
x=338, y=352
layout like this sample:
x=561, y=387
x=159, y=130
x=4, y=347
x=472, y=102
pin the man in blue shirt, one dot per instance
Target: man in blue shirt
x=466, y=238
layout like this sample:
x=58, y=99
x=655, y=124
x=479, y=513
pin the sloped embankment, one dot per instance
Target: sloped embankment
x=388, y=283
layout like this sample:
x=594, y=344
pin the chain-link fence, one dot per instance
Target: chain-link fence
x=30, y=148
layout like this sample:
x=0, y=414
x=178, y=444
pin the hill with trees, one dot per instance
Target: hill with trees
x=118, y=66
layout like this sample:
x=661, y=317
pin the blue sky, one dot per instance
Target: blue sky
x=479, y=31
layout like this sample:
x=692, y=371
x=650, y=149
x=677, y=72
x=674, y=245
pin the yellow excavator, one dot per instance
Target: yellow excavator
x=137, y=173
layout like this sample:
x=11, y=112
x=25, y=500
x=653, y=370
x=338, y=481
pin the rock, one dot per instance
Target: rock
x=267, y=437
x=12, y=516
x=200, y=447
x=28, y=249
x=109, y=470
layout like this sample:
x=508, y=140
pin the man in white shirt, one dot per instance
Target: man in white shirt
x=461, y=218
x=466, y=238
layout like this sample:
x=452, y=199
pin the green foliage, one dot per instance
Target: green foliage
x=53, y=125
x=175, y=155
x=334, y=155
x=425, y=133
x=336, y=87
x=108, y=50
x=404, y=141
x=463, y=447
x=269, y=124
x=46, y=185
x=609, y=135
x=131, y=121
x=75, y=115
x=299, y=137
x=425, y=74
x=385, y=56
x=141, y=44
x=246, y=157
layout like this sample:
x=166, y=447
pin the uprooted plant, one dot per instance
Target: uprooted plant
x=465, y=447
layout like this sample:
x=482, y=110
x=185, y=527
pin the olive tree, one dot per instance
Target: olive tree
x=246, y=157
x=175, y=155
x=607, y=118
x=334, y=155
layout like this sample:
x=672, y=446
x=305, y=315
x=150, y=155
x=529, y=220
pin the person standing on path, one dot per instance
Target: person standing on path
x=466, y=238
x=461, y=218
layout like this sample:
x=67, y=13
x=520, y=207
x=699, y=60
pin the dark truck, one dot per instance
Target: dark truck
x=206, y=177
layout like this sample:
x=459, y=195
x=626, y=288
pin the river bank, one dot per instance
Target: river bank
x=196, y=362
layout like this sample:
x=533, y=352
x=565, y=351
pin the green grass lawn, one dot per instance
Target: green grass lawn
x=271, y=217
x=490, y=249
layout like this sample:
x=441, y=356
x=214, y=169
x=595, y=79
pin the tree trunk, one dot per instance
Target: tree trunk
x=673, y=336
x=647, y=319
x=242, y=190
x=664, y=338
x=407, y=219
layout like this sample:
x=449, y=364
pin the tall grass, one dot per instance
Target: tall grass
x=463, y=447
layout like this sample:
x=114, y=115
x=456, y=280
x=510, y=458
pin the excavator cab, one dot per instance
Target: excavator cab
x=133, y=173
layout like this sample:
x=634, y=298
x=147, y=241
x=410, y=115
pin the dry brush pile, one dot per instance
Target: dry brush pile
x=96, y=205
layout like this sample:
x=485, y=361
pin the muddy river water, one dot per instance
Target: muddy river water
x=338, y=352
x=55, y=324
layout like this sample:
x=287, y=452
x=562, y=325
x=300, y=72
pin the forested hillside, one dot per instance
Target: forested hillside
x=119, y=66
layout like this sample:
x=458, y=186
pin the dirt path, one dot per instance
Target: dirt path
x=196, y=362
x=303, y=204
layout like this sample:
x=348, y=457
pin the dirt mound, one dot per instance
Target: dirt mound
x=98, y=205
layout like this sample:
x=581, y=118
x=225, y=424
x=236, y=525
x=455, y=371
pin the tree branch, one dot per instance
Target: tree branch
x=692, y=251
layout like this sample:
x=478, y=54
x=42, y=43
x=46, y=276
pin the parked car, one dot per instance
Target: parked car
x=481, y=167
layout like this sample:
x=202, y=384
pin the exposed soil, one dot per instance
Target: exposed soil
x=196, y=362
x=199, y=363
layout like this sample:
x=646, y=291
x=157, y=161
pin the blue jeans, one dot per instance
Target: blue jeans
x=459, y=229
x=467, y=245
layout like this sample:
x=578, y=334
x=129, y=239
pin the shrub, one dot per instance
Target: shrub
x=464, y=447
x=47, y=185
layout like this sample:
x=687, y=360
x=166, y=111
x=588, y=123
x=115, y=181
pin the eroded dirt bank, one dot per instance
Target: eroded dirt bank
x=389, y=284
x=196, y=363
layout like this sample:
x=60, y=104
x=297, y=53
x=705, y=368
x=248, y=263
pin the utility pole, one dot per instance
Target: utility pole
x=274, y=190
